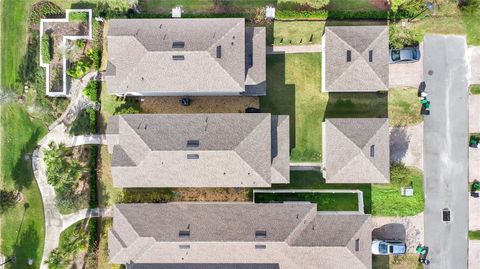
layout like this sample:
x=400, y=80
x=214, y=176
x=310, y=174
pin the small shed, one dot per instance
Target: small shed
x=177, y=12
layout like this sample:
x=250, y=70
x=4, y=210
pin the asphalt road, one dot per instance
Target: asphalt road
x=446, y=150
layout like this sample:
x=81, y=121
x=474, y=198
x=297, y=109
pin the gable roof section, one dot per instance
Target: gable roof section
x=225, y=233
x=348, y=149
x=230, y=150
x=360, y=74
x=140, y=56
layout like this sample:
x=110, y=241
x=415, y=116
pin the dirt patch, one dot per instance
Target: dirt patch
x=381, y=4
x=200, y=104
x=212, y=194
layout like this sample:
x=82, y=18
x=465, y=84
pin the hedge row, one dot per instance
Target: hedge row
x=93, y=202
x=46, y=47
x=341, y=15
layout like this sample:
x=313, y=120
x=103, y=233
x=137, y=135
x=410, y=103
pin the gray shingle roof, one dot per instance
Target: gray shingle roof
x=297, y=236
x=203, y=266
x=349, y=143
x=140, y=56
x=360, y=74
x=230, y=150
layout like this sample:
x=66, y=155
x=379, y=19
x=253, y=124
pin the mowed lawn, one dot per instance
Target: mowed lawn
x=324, y=201
x=23, y=226
x=297, y=32
x=201, y=6
x=404, y=107
x=353, y=5
x=294, y=89
x=13, y=40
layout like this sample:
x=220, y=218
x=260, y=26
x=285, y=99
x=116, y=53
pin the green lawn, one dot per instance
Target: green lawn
x=475, y=89
x=403, y=107
x=354, y=5
x=474, y=235
x=294, y=89
x=201, y=6
x=12, y=41
x=324, y=201
x=22, y=227
x=298, y=32
x=315, y=180
x=387, y=200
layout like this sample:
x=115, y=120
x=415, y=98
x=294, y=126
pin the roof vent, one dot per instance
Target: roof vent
x=349, y=55
x=219, y=52
x=178, y=44
x=193, y=144
x=192, y=156
x=260, y=234
x=370, y=55
x=184, y=234
x=178, y=57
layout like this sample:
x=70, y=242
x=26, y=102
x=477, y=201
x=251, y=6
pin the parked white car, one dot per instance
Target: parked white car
x=388, y=247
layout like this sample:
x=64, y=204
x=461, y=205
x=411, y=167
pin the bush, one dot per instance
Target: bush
x=97, y=42
x=93, y=203
x=44, y=9
x=79, y=69
x=305, y=14
x=91, y=90
x=400, y=37
x=8, y=199
x=78, y=16
x=46, y=46
x=94, y=55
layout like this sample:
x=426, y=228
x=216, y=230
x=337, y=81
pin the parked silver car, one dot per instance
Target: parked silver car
x=405, y=55
x=388, y=247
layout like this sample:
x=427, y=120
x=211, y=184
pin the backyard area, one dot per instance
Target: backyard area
x=325, y=201
x=297, y=32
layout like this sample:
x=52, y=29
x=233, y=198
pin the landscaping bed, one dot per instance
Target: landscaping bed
x=475, y=89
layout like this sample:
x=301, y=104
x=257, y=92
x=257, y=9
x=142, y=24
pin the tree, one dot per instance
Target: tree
x=57, y=259
x=8, y=199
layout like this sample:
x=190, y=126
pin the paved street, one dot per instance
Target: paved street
x=446, y=150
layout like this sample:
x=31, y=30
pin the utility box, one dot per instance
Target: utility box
x=177, y=12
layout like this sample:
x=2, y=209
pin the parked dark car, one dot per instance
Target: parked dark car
x=405, y=55
x=252, y=110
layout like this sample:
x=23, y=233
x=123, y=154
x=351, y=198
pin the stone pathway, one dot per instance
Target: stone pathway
x=294, y=49
x=406, y=145
x=410, y=229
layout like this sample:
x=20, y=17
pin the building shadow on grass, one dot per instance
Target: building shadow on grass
x=22, y=172
x=315, y=180
x=391, y=231
x=280, y=98
x=357, y=105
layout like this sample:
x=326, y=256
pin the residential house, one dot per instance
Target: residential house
x=185, y=57
x=238, y=236
x=355, y=58
x=356, y=150
x=199, y=150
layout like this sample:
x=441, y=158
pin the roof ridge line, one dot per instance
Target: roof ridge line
x=302, y=225
x=225, y=71
x=145, y=53
x=371, y=138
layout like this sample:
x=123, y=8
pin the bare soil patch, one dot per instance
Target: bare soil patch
x=212, y=194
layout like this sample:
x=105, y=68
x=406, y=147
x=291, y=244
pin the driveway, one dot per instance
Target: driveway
x=474, y=56
x=474, y=254
x=409, y=229
x=446, y=150
x=474, y=113
x=474, y=164
x=406, y=74
x=406, y=145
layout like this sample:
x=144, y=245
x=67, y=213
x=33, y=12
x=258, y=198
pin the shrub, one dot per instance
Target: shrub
x=93, y=202
x=306, y=14
x=80, y=43
x=8, y=199
x=79, y=69
x=46, y=47
x=78, y=16
x=91, y=90
x=400, y=37
x=44, y=9
x=94, y=55
x=305, y=4
x=85, y=123
x=400, y=175
x=394, y=4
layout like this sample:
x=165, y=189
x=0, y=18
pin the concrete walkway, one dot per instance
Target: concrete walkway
x=294, y=49
x=474, y=213
x=406, y=145
x=306, y=166
x=474, y=254
x=474, y=113
x=474, y=56
x=474, y=164
x=409, y=229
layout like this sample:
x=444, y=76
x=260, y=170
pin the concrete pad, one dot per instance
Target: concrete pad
x=474, y=113
x=474, y=56
x=474, y=164
x=474, y=213
x=406, y=74
x=406, y=145
x=474, y=254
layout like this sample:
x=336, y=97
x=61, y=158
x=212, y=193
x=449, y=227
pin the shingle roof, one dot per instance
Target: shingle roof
x=203, y=266
x=360, y=74
x=349, y=145
x=296, y=235
x=228, y=150
x=141, y=56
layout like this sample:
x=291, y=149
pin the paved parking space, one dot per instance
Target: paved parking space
x=474, y=164
x=474, y=254
x=406, y=145
x=474, y=113
x=407, y=74
x=474, y=213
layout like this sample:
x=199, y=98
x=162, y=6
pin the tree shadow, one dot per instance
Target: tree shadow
x=391, y=231
x=280, y=98
x=22, y=172
x=26, y=248
x=357, y=105
x=399, y=141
